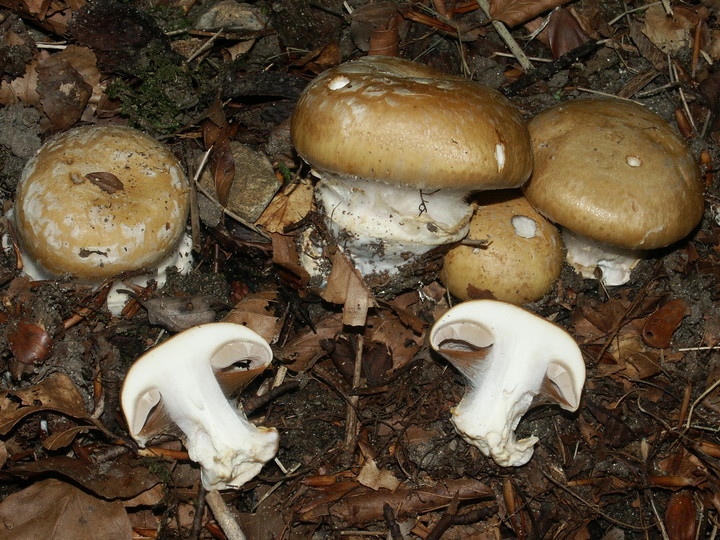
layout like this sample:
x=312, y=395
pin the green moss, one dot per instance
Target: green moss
x=162, y=97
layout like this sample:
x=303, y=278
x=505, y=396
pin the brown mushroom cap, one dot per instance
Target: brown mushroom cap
x=522, y=259
x=95, y=201
x=615, y=172
x=393, y=120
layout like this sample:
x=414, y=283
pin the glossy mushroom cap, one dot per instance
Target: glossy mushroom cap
x=522, y=256
x=99, y=200
x=614, y=172
x=393, y=120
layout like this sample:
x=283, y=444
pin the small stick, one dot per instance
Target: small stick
x=351, y=419
x=507, y=37
x=222, y=514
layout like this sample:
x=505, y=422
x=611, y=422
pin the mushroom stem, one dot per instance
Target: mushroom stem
x=590, y=257
x=382, y=226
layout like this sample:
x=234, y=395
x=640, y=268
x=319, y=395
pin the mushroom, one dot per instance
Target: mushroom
x=616, y=173
x=97, y=201
x=511, y=357
x=397, y=148
x=179, y=381
x=521, y=257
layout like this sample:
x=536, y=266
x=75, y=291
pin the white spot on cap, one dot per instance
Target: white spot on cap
x=500, y=156
x=338, y=82
x=524, y=226
x=633, y=161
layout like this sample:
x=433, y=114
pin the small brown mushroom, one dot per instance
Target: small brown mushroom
x=521, y=258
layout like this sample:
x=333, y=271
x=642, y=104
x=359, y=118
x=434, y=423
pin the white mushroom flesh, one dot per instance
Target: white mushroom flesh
x=382, y=227
x=612, y=265
x=509, y=356
x=179, y=375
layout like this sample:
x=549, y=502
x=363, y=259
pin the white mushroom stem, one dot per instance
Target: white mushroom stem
x=509, y=356
x=383, y=226
x=180, y=376
x=595, y=260
x=181, y=258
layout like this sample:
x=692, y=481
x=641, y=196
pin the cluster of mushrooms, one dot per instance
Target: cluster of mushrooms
x=398, y=150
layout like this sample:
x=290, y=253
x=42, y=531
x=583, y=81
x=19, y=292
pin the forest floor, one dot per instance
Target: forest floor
x=374, y=455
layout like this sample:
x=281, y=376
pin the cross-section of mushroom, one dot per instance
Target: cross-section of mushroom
x=181, y=381
x=510, y=357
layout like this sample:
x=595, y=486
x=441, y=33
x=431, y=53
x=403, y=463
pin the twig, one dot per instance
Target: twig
x=199, y=511
x=392, y=524
x=223, y=516
x=548, y=70
x=451, y=517
x=351, y=419
x=695, y=403
x=507, y=38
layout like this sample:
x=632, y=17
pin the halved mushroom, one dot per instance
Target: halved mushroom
x=179, y=381
x=511, y=357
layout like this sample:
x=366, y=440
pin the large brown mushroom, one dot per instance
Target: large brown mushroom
x=613, y=172
x=397, y=147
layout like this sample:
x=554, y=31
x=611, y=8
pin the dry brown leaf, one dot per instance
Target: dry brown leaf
x=303, y=348
x=56, y=393
x=365, y=506
x=288, y=207
x=374, y=478
x=662, y=323
x=345, y=286
x=22, y=89
x=122, y=478
x=286, y=257
x=564, y=32
x=515, y=12
x=255, y=311
x=51, y=509
x=402, y=341
x=681, y=516
x=63, y=92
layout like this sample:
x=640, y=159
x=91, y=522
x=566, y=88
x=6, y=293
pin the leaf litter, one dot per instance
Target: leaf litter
x=638, y=460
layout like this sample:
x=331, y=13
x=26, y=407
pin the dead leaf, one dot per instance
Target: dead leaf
x=663, y=322
x=180, y=313
x=63, y=92
x=345, y=286
x=56, y=393
x=305, y=347
x=374, y=478
x=365, y=506
x=515, y=12
x=287, y=208
x=564, y=32
x=51, y=509
x=681, y=516
x=286, y=257
x=106, y=181
x=123, y=478
x=256, y=312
